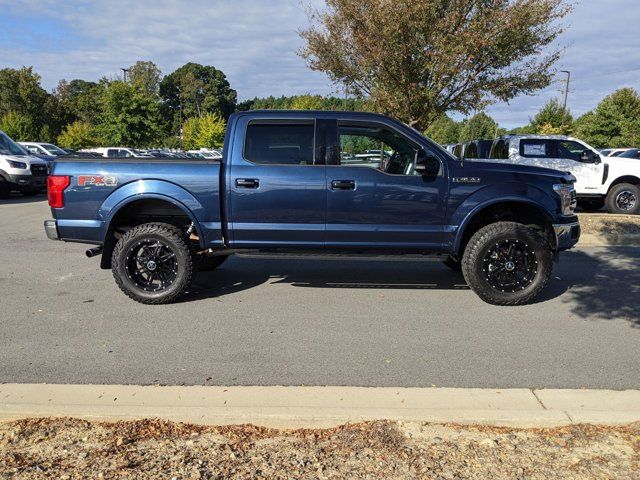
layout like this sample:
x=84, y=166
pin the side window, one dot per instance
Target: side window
x=536, y=148
x=499, y=150
x=569, y=149
x=375, y=146
x=471, y=151
x=112, y=153
x=280, y=143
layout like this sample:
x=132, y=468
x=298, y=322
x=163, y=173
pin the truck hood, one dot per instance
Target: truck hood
x=500, y=166
x=30, y=159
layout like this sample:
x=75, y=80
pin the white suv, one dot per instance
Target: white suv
x=19, y=170
x=600, y=180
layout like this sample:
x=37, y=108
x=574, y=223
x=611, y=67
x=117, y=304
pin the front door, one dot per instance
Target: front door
x=277, y=185
x=375, y=199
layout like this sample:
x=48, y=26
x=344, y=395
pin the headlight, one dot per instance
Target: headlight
x=567, y=195
x=20, y=165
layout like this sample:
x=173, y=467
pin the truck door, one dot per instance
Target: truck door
x=375, y=198
x=277, y=184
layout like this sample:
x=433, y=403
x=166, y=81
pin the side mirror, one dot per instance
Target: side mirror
x=588, y=156
x=426, y=164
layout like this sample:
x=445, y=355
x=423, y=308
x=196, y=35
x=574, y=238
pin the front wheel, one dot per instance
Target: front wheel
x=4, y=189
x=507, y=263
x=152, y=263
x=624, y=198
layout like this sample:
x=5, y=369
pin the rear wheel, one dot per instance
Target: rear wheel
x=152, y=263
x=624, y=198
x=507, y=263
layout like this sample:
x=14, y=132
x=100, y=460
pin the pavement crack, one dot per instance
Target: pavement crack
x=533, y=392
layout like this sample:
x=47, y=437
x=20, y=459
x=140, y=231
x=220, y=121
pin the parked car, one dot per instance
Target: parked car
x=118, y=152
x=478, y=149
x=282, y=187
x=600, y=180
x=615, y=152
x=37, y=150
x=630, y=153
x=19, y=170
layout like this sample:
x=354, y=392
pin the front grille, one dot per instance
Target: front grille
x=39, y=170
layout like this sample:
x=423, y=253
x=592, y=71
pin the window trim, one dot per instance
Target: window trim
x=539, y=141
x=282, y=121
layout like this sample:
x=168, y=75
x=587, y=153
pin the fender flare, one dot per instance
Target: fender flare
x=151, y=189
x=513, y=198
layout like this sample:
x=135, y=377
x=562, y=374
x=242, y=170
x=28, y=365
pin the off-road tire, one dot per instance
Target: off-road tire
x=478, y=248
x=591, y=204
x=453, y=264
x=174, y=239
x=207, y=263
x=620, y=189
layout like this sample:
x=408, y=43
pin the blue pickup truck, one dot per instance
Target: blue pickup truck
x=321, y=182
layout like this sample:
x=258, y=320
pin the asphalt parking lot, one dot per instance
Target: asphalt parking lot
x=274, y=321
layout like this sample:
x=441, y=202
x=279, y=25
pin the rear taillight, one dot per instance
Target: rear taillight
x=55, y=189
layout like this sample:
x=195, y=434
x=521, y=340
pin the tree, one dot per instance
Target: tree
x=479, y=127
x=615, y=122
x=194, y=90
x=79, y=134
x=308, y=102
x=444, y=130
x=204, y=132
x=553, y=119
x=81, y=99
x=21, y=93
x=130, y=116
x=418, y=59
x=146, y=75
x=17, y=125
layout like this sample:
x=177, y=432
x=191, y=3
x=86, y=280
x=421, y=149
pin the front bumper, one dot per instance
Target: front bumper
x=28, y=182
x=567, y=235
x=51, y=229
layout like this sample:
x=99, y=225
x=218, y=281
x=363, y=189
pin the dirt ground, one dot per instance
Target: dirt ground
x=70, y=448
x=608, y=224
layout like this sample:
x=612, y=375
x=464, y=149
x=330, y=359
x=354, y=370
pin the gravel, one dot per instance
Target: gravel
x=610, y=224
x=69, y=448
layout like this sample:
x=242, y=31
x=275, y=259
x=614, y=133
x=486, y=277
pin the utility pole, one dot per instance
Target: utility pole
x=566, y=88
x=346, y=92
x=125, y=71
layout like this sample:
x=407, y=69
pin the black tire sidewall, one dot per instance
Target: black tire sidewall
x=477, y=249
x=167, y=235
x=615, y=191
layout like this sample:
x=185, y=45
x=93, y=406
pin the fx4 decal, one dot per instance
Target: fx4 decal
x=97, y=180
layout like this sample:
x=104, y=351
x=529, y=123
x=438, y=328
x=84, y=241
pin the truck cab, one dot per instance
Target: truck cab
x=599, y=179
x=323, y=182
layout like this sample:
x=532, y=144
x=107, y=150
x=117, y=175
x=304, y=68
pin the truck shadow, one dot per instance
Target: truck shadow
x=597, y=284
x=17, y=198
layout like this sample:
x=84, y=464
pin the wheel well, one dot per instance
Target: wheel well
x=626, y=179
x=141, y=211
x=511, y=212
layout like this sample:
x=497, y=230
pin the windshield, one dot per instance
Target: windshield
x=53, y=149
x=633, y=153
x=9, y=147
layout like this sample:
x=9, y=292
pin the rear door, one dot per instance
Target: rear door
x=376, y=199
x=277, y=183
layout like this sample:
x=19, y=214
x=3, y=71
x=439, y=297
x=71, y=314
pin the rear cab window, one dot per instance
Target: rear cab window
x=280, y=142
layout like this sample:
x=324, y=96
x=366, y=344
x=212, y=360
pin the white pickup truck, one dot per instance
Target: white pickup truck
x=600, y=180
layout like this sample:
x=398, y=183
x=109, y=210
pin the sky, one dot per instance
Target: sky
x=254, y=42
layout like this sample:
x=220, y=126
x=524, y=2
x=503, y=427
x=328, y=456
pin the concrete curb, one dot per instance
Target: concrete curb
x=610, y=239
x=297, y=407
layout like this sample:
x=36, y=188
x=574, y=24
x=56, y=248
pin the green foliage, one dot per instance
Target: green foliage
x=146, y=76
x=306, y=102
x=615, y=122
x=130, y=116
x=552, y=119
x=79, y=134
x=204, y=132
x=194, y=90
x=21, y=93
x=444, y=130
x=81, y=99
x=17, y=125
x=479, y=127
x=418, y=59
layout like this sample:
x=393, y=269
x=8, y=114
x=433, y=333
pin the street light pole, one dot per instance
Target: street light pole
x=125, y=71
x=566, y=88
